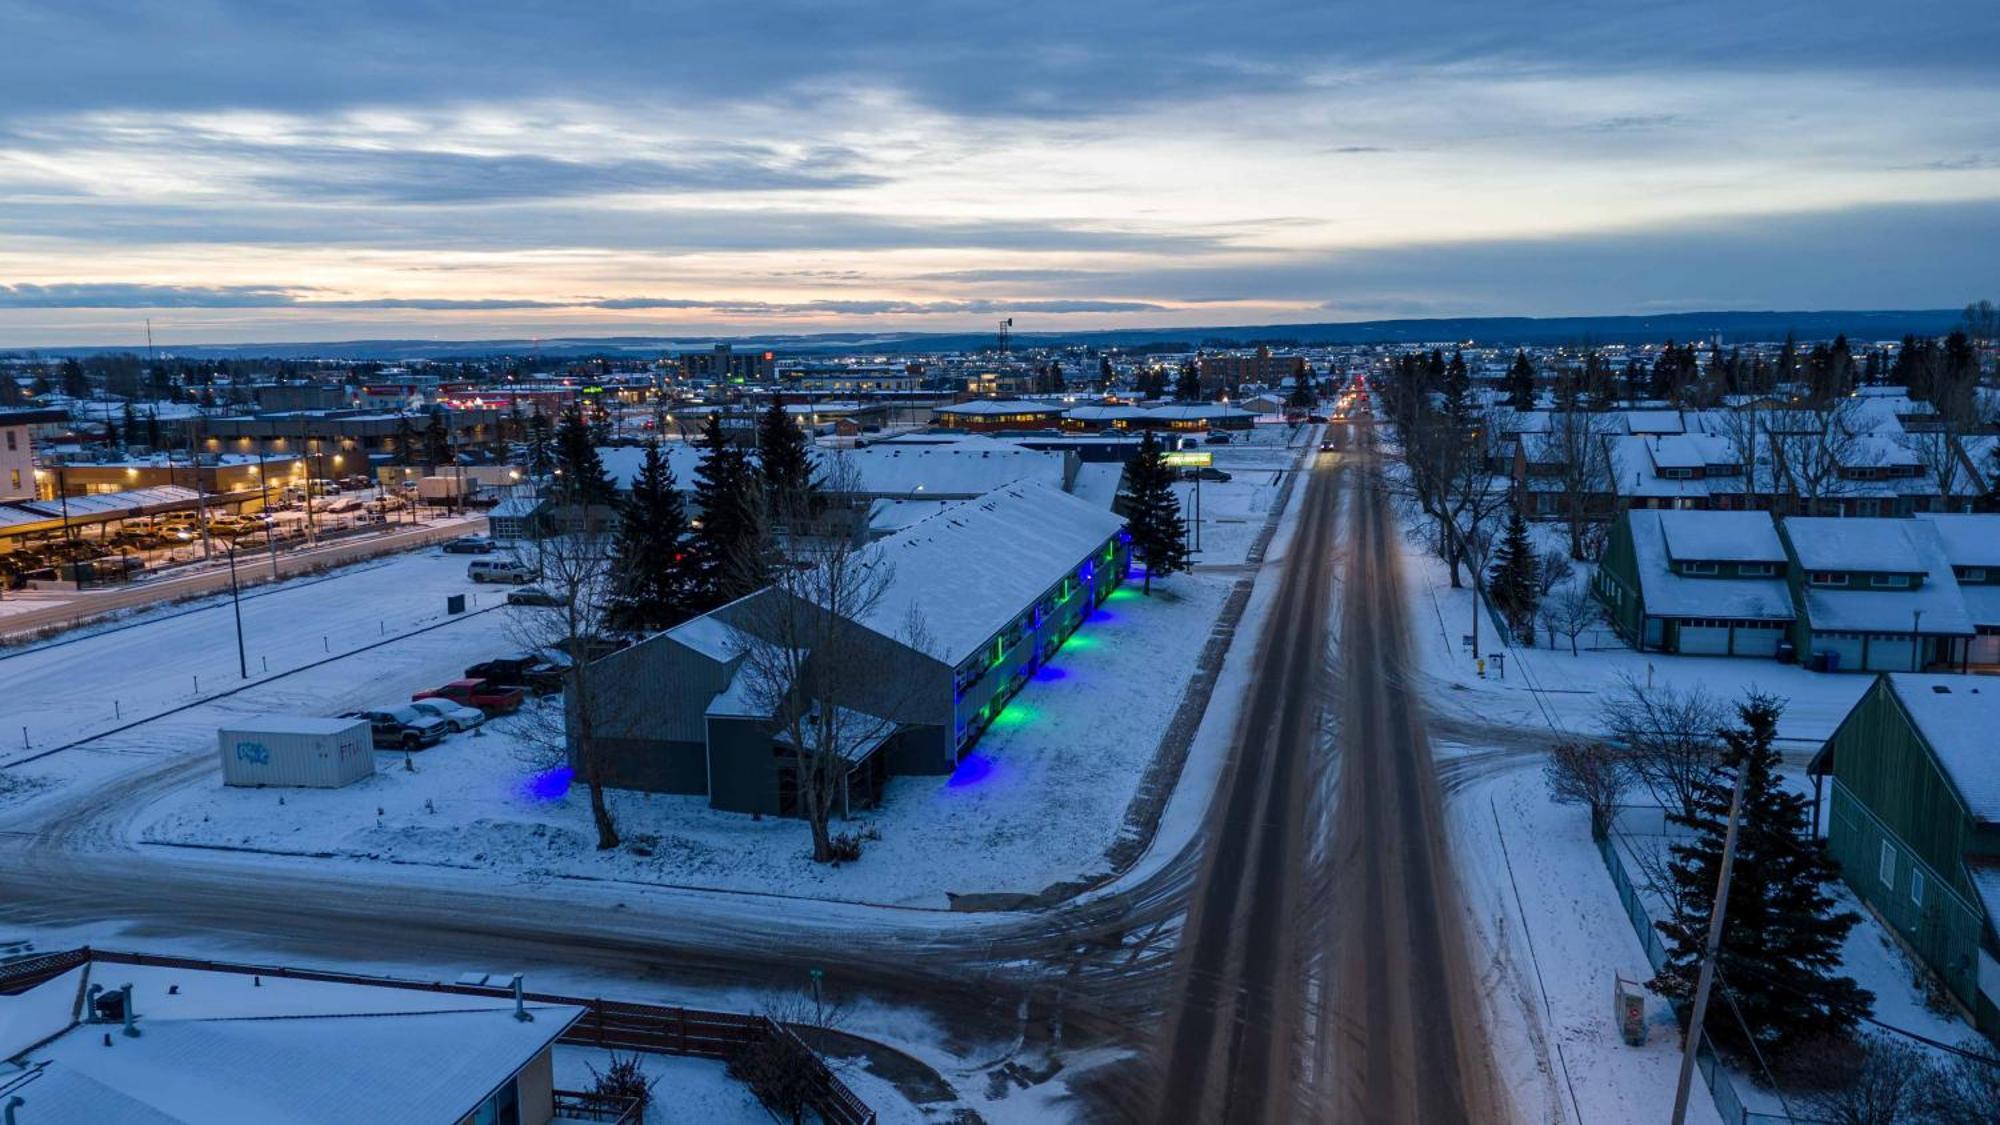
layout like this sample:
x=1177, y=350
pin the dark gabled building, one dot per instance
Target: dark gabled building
x=1696, y=582
x=998, y=583
x=1914, y=819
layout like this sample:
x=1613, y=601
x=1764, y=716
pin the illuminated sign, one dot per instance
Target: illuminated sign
x=1190, y=459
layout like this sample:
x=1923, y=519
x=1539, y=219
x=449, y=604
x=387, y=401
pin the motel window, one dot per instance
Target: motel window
x=1885, y=867
x=1971, y=574
x=1894, y=581
x=1828, y=578
x=1698, y=568
x=1916, y=885
x=1756, y=570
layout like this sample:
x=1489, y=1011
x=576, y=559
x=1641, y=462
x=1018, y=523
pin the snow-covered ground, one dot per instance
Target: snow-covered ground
x=1544, y=909
x=1039, y=801
x=684, y=1089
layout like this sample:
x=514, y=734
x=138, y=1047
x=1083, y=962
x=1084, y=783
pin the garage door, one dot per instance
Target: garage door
x=1757, y=642
x=1705, y=640
x=1849, y=648
x=1889, y=654
x=1985, y=649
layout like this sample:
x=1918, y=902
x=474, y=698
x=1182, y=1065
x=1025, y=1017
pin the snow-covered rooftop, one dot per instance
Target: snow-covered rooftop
x=958, y=469
x=968, y=571
x=1694, y=536
x=292, y=724
x=1969, y=539
x=710, y=636
x=1877, y=546
x=1958, y=724
x=1668, y=594
x=231, y=1047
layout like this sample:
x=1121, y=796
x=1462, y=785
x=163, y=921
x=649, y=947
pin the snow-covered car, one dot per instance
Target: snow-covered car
x=532, y=595
x=457, y=716
x=469, y=545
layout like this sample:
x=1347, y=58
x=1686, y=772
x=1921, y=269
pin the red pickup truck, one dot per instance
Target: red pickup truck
x=486, y=695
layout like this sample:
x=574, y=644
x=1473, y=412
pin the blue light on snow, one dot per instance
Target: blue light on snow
x=551, y=784
x=972, y=769
x=1049, y=672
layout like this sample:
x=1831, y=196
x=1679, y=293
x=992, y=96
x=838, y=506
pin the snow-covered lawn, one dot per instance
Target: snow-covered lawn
x=1038, y=801
x=684, y=1089
x=1551, y=689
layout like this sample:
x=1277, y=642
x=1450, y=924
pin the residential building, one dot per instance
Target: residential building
x=17, y=450
x=1231, y=370
x=724, y=364
x=1914, y=819
x=1696, y=582
x=998, y=583
x=1874, y=595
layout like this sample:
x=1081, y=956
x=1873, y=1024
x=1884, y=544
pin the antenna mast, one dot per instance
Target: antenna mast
x=1006, y=334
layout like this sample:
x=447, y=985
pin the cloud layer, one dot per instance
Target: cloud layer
x=259, y=170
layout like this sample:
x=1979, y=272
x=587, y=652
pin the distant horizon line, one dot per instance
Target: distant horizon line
x=1375, y=330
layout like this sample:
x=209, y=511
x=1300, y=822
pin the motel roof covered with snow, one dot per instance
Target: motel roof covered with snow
x=1721, y=537
x=968, y=571
x=958, y=469
x=216, y=1046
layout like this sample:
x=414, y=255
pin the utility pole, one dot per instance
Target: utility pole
x=1706, y=980
x=200, y=495
x=236, y=603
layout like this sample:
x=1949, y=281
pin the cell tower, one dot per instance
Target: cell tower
x=1006, y=334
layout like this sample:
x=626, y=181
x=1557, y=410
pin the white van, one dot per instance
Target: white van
x=499, y=570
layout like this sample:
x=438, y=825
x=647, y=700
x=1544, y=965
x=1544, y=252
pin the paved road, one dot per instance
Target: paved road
x=1324, y=974
x=253, y=568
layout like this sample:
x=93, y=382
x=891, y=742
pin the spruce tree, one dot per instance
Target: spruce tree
x=1187, y=388
x=583, y=480
x=437, y=443
x=1511, y=582
x=1782, y=931
x=791, y=484
x=731, y=556
x=652, y=571
x=541, y=449
x=1521, y=383
x=1153, y=512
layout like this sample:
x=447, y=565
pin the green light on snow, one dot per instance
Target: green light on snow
x=1121, y=594
x=1016, y=715
x=1080, y=642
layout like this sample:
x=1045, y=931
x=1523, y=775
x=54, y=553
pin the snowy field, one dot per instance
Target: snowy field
x=1038, y=802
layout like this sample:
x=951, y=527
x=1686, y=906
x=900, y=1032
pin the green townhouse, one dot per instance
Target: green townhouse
x=1837, y=594
x=1914, y=819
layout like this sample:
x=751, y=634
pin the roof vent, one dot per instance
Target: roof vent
x=1943, y=690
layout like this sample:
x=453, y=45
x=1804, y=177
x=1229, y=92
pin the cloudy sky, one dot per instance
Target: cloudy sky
x=288, y=171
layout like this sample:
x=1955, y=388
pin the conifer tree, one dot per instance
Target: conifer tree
x=1187, y=388
x=583, y=479
x=652, y=573
x=1153, y=512
x=1782, y=931
x=731, y=555
x=1521, y=383
x=437, y=444
x=791, y=484
x=1511, y=582
x=1457, y=387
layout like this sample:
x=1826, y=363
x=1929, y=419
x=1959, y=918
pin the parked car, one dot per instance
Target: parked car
x=1205, y=474
x=532, y=595
x=457, y=716
x=523, y=670
x=469, y=545
x=492, y=698
x=1216, y=439
x=403, y=728
x=499, y=570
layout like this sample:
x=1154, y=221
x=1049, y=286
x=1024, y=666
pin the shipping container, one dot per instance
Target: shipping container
x=296, y=750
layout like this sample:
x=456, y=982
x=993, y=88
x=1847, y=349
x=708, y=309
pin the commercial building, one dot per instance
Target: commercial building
x=989, y=415
x=111, y=1040
x=997, y=583
x=1914, y=819
x=1229, y=371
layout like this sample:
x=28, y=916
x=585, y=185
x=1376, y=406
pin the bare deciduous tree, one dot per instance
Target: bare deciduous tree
x=1589, y=774
x=1869, y=1080
x=1569, y=612
x=572, y=561
x=1575, y=442
x=1552, y=570
x=1810, y=447
x=1668, y=735
x=810, y=669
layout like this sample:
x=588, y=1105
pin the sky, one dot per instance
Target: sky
x=285, y=171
